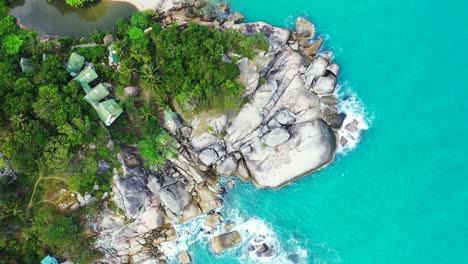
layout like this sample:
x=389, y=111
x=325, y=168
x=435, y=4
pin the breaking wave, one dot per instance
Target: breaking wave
x=255, y=233
x=357, y=118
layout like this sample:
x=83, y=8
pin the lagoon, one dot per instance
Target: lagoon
x=58, y=19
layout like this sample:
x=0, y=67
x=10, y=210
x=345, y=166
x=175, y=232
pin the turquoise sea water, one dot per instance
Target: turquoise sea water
x=402, y=195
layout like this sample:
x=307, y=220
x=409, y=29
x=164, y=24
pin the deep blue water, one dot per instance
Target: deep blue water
x=402, y=195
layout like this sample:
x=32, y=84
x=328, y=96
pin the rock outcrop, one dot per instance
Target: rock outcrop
x=287, y=130
x=222, y=242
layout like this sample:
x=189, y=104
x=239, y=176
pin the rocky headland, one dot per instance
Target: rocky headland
x=289, y=128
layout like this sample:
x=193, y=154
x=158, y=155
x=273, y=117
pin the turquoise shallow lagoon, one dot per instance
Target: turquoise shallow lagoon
x=402, y=195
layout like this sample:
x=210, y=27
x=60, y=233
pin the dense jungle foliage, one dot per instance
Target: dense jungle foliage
x=54, y=141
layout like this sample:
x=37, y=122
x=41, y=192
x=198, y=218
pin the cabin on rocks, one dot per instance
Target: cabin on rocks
x=108, y=110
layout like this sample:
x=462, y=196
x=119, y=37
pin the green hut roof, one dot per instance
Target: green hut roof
x=26, y=65
x=97, y=93
x=108, y=111
x=169, y=116
x=75, y=63
x=86, y=76
x=86, y=87
x=49, y=260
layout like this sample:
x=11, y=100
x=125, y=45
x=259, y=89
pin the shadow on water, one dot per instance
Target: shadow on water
x=58, y=18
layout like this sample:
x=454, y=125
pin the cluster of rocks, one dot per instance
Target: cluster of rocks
x=287, y=130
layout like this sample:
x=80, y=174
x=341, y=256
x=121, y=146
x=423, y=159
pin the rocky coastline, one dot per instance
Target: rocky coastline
x=289, y=128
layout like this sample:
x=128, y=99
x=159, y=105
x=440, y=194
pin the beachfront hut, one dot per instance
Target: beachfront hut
x=75, y=63
x=108, y=111
x=96, y=94
x=85, y=77
x=113, y=57
x=171, y=121
x=26, y=65
x=49, y=260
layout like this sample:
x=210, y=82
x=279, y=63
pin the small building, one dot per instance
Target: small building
x=26, y=65
x=85, y=77
x=49, y=260
x=108, y=111
x=75, y=63
x=171, y=121
x=113, y=57
x=96, y=94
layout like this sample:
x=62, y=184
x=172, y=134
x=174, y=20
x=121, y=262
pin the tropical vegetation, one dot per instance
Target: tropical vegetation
x=54, y=142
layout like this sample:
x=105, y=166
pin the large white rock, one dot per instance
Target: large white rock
x=175, y=197
x=315, y=70
x=276, y=137
x=248, y=75
x=208, y=156
x=248, y=120
x=203, y=141
x=325, y=85
x=228, y=167
x=311, y=146
x=285, y=117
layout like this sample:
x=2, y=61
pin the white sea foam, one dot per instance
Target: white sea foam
x=253, y=230
x=356, y=112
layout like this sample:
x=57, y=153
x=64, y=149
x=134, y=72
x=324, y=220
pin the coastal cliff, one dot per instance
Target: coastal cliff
x=287, y=129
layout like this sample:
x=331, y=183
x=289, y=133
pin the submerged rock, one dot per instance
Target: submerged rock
x=222, y=242
x=304, y=28
x=184, y=257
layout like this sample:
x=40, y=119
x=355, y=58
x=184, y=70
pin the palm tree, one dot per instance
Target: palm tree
x=149, y=78
x=128, y=70
x=140, y=54
x=147, y=112
x=17, y=121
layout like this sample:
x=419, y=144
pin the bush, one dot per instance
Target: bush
x=12, y=44
x=94, y=54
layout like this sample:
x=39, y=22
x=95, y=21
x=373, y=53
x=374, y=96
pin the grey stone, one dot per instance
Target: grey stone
x=285, y=118
x=228, y=167
x=222, y=242
x=108, y=39
x=329, y=111
x=325, y=85
x=175, y=197
x=208, y=156
x=314, y=47
x=334, y=68
x=304, y=28
x=276, y=137
x=329, y=100
x=248, y=75
x=311, y=146
x=186, y=132
x=184, y=257
x=335, y=121
x=213, y=220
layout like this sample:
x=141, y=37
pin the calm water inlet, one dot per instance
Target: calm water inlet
x=57, y=18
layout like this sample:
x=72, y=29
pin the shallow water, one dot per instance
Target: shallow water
x=401, y=196
x=57, y=18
